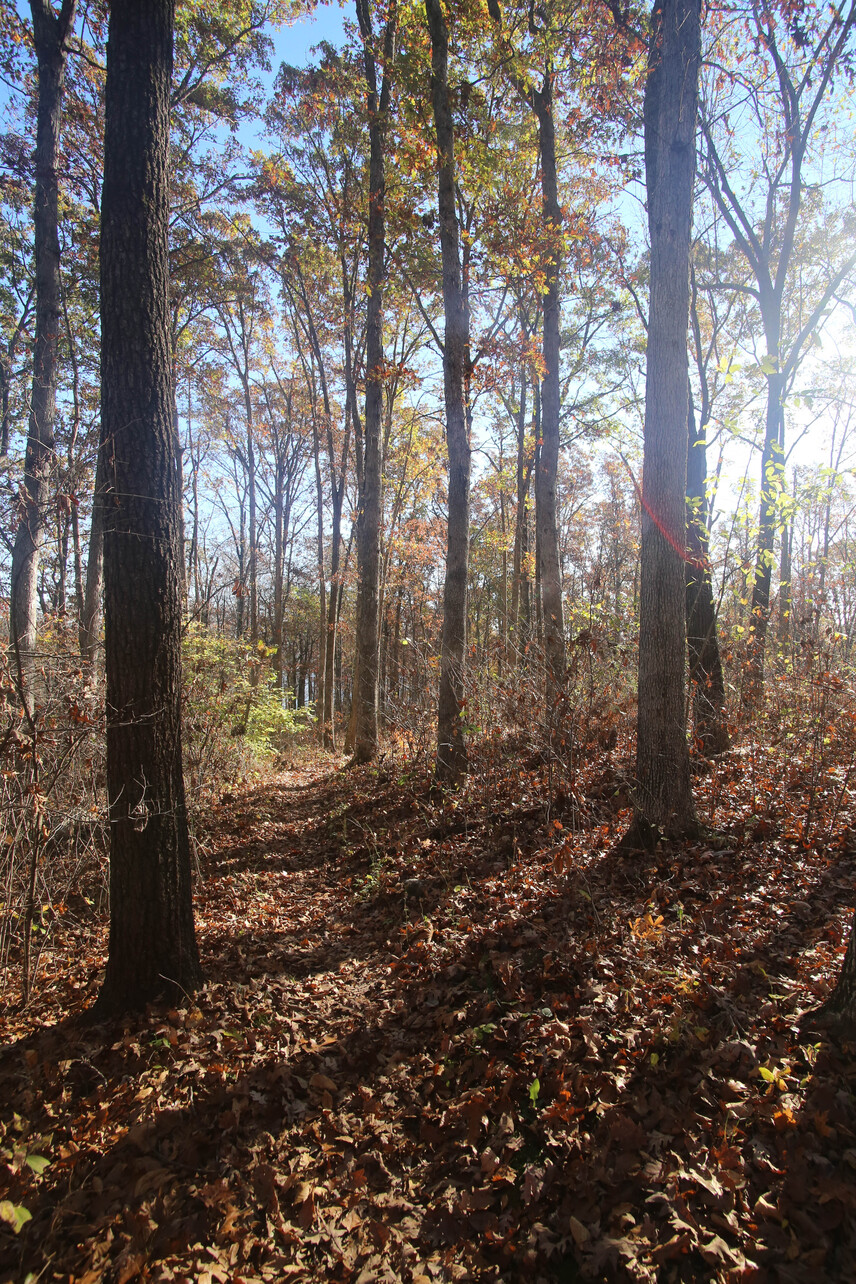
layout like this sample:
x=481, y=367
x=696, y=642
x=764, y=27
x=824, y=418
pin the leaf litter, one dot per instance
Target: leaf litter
x=455, y=1038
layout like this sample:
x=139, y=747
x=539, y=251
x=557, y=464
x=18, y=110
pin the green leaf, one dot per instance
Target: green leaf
x=38, y=1163
x=769, y=1076
x=14, y=1214
x=534, y=1089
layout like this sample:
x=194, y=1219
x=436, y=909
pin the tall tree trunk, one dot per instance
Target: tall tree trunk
x=71, y=462
x=280, y=519
x=322, y=582
x=664, y=800
x=548, y=464
x=328, y=734
x=708, y=686
x=49, y=32
x=368, y=528
x=522, y=478
x=503, y=614
x=451, y=760
x=152, y=947
x=253, y=522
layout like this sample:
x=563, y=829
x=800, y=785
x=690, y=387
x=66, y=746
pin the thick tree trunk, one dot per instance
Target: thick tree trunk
x=451, y=760
x=708, y=686
x=152, y=948
x=49, y=32
x=548, y=463
x=664, y=799
x=368, y=530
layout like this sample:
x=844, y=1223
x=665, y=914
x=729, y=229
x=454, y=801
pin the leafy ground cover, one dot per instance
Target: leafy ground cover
x=459, y=1038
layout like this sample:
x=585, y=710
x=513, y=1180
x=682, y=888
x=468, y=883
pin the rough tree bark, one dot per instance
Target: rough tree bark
x=548, y=463
x=152, y=942
x=451, y=760
x=50, y=31
x=664, y=799
x=368, y=530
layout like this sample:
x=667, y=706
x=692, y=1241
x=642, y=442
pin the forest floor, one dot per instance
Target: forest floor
x=458, y=1038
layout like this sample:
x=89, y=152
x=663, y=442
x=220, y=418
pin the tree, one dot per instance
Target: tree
x=664, y=799
x=541, y=100
x=315, y=183
x=50, y=33
x=240, y=316
x=451, y=749
x=152, y=941
x=369, y=520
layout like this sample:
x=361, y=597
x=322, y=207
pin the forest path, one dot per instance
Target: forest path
x=451, y=1038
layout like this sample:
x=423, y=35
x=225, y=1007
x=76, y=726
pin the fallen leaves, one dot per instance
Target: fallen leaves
x=515, y=1072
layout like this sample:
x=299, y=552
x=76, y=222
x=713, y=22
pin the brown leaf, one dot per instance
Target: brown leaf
x=321, y=1083
x=579, y=1232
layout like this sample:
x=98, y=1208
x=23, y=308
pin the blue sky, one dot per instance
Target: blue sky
x=292, y=44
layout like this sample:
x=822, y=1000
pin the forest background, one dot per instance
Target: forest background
x=325, y=550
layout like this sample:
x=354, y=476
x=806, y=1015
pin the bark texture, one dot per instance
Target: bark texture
x=664, y=799
x=451, y=748
x=50, y=32
x=152, y=941
x=548, y=461
x=368, y=530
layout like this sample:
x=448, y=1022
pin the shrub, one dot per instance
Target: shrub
x=236, y=718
